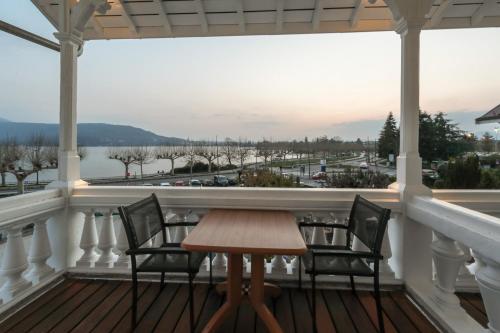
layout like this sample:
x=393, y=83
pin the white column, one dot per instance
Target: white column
x=122, y=246
x=447, y=257
x=13, y=265
x=39, y=253
x=88, y=241
x=488, y=278
x=107, y=240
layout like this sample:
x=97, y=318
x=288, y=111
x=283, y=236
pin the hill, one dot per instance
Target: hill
x=89, y=134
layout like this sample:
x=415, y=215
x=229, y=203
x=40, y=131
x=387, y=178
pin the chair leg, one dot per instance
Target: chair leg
x=162, y=280
x=191, y=305
x=353, y=287
x=134, y=301
x=380, y=316
x=313, y=283
x=300, y=273
x=211, y=284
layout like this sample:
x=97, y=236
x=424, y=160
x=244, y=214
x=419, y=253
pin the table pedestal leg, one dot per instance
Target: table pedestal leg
x=257, y=295
x=233, y=299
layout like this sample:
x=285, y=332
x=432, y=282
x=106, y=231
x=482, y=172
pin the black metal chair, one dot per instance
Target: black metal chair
x=143, y=221
x=368, y=223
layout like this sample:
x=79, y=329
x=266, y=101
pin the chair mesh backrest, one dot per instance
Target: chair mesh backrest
x=368, y=222
x=142, y=221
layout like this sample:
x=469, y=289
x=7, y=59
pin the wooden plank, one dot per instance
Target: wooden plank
x=79, y=313
x=246, y=318
x=68, y=307
x=31, y=308
x=199, y=296
x=171, y=316
x=284, y=312
x=48, y=308
x=301, y=312
x=157, y=309
x=143, y=304
x=212, y=303
x=398, y=317
x=113, y=317
x=246, y=231
x=260, y=327
x=478, y=316
x=341, y=318
x=357, y=312
x=416, y=317
x=475, y=299
x=368, y=302
x=105, y=306
x=323, y=319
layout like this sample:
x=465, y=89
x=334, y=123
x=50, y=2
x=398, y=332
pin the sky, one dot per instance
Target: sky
x=279, y=87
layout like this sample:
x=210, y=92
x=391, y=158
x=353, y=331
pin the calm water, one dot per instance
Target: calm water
x=97, y=165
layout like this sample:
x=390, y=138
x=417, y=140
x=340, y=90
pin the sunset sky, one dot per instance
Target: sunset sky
x=273, y=86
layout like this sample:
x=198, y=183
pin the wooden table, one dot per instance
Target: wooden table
x=255, y=232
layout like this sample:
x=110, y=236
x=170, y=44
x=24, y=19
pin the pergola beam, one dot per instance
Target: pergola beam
x=439, y=13
x=241, y=16
x=163, y=14
x=126, y=16
x=359, y=5
x=318, y=9
x=29, y=36
x=280, y=6
x=202, y=15
x=482, y=11
x=97, y=26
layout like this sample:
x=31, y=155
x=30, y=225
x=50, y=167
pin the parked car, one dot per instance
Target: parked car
x=208, y=182
x=232, y=181
x=179, y=183
x=147, y=184
x=319, y=175
x=221, y=180
x=195, y=182
x=165, y=184
x=363, y=166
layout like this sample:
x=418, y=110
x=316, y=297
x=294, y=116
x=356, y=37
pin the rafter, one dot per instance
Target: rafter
x=126, y=16
x=280, y=6
x=97, y=26
x=201, y=14
x=316, y=19
x=358, y=8
x=487, y=7
x=439, y=13
x=241, y=15
x=163, y=14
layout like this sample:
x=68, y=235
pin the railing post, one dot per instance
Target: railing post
x=122, y=246
x=488, y=278
x=447, y=257
x=107, y=240
x=39, y=252
x=88, y=241
x=13, y=265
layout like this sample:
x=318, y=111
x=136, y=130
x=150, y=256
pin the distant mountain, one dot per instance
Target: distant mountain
x=3, y=120
x=89, y=134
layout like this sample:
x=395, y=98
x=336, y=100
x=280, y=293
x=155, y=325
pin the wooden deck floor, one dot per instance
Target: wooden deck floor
x=104, y=306
x=473, y=305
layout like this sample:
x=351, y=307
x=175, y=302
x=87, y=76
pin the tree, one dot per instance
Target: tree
x=487, y=142
x=191, y=156
x=388, y=139
x=228, y=150
x=123, y=155
x=265, y=150
x=243, y=152
x=170, y=153
x=207, y=152
x=461, y=173
x=142, y=155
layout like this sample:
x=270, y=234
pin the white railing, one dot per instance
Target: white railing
x=103, y=238
x=460, y=233
x=24, y=273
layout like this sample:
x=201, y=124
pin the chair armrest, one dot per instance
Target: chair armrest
x=328, y=247
x=322, y=224
x=346, y=253
x=156, y=250
x=179, y=224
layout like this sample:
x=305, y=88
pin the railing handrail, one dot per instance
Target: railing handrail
x=476, y=230
x=252, y=198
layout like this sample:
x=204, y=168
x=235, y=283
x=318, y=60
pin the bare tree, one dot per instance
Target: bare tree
x=243, y=152
x=143, y=155
x=123, y=155
x=170, y=153
x=207, y=152
x=228, y=150
x=191, y=156
x=265, y=150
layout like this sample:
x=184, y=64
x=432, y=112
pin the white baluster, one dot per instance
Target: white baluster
x=107, y=240
x=88, y=241
x=13, y=265
x=219, y=263
x=447, y=257
x=122, y=246
x=464, y=275
x=180, y=232
x=488, y=278
x=339, y=235
x=39, y=253
x=358, y=245
x=278, y=265
x=384, y=267
x=318, y=235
